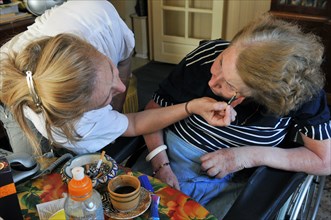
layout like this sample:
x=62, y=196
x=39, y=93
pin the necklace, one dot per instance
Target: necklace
x=249, y=117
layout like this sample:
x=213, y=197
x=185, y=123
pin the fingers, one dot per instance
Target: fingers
x=228, y=116
x=167, y=176
x=207, y=164
x=213, y=172
x=210, y=167
x=176, y=185
x=220, y=106
x=172, y=181
x=222, y=118
x=215, y=113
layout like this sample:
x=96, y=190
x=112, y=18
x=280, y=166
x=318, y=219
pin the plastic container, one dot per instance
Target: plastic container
x=83, y=202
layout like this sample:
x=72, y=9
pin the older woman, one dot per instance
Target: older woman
x=273, y=70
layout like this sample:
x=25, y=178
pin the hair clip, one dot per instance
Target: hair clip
x=32, y=90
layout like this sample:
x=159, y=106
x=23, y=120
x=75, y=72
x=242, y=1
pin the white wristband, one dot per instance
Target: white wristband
x=155, y=152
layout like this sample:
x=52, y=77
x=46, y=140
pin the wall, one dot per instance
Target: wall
x=238, y=13
x=125, y=8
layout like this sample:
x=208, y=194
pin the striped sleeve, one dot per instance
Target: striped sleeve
x=317, y=132
x=313, y=118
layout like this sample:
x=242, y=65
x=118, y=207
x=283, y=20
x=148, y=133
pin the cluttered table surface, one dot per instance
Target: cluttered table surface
x=51, y=187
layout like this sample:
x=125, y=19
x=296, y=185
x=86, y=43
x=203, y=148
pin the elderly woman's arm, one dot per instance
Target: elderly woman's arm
x=313, y=158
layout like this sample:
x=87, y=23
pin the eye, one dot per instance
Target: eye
x=229, y=86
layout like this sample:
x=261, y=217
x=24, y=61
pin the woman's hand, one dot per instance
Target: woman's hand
x=167, y=176
x=215, y=113
x=224, y=161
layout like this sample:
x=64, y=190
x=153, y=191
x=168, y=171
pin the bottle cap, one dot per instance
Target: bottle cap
x=80, y=186
x=78, y=173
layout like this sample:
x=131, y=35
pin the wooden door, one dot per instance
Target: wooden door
x=179, y=25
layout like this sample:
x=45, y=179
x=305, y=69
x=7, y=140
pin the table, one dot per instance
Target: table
x=173, y=203
x=11, y=28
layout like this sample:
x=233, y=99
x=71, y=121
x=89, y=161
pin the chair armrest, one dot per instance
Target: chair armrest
x=265, y=193
x=123, y=147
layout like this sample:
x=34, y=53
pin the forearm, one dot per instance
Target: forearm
x=299, y=159
x=155, y=140
x=313, y=158
x=152, y=120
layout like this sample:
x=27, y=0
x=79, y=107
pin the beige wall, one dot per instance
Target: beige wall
x=237, y=13
x=125, y=8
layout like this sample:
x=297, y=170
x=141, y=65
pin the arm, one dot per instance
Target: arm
x=148, y=121
x=152, y=141
x=313, y=158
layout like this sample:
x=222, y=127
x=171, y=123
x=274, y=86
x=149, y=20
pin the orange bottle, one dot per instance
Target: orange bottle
x=83, y=202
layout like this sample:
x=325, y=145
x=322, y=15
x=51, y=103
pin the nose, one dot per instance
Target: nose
x=118, y=86
x=213, y=80
x=215, y=69
x=118, y=83
x=121, y=87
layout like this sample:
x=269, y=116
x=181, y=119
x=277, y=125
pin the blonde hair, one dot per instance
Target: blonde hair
x=279, y=63
x=64, y=77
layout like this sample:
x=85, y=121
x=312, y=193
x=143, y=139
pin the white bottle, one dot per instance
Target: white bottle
x=83, y=202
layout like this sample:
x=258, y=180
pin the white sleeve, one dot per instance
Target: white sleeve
x=97, y=129
x=95, y=21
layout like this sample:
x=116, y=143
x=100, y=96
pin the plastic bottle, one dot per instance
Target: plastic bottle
x=83, y=202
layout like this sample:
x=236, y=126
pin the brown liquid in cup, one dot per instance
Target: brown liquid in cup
x=124, y=189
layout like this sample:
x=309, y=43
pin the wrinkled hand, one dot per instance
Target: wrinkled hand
x=215, y=113
x=222, y=162
x=167, y=176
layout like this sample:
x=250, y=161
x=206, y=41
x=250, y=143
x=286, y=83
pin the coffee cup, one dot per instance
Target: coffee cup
x=124, y=192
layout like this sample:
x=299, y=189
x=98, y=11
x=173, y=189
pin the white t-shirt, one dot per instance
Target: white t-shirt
x=99, y=23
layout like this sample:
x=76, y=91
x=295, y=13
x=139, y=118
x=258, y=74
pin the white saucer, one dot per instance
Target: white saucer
x=144, y=203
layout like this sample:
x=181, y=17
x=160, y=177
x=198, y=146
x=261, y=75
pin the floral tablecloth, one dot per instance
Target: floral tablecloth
x=173, y=204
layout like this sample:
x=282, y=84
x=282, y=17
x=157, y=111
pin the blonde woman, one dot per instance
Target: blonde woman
x=59, y=77
x=98, y=23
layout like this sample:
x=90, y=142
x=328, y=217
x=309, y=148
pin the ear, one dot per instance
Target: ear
x=237, y=101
